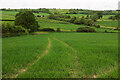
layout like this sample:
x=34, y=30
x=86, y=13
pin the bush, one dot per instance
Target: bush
x=58, y=30
x=47, y=29
x=97, y=26
x=12, y=30
x=106, y=31
x=85, y=29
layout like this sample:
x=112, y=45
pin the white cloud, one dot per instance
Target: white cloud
x=84, y=4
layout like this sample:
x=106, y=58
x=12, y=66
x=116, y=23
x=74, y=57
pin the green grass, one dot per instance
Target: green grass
x=48, y=23
x=109, y=23
x=8, y=15
x=41, y=14
x=91, y=53
x=19, y=51
x=9, y=22
x=96, y=52
x=62, y=11
x=77, y=15
x=107, y=16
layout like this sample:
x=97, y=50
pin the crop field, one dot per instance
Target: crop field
x=63, y=53
x=85, y=55
x=41, y=14
x=47, y=23
x=108, y=23
x=107, y=16
x=8, y=15
x=77, y=15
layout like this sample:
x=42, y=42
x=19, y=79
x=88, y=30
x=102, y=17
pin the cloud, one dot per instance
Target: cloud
x=64, y=4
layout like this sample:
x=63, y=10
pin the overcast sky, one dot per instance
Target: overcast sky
x=63, y=4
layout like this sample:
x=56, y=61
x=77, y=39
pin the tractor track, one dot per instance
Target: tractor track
x=73, y=72
x=35, y=61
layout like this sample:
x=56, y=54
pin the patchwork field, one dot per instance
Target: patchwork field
x=85, y=55
x=64, y=54
x=108, y=23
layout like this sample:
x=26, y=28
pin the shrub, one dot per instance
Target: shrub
x=85, y=29
x=12, y=30
x=97, y=26
x=47, y=29
x=58, y=30
x=105, y=30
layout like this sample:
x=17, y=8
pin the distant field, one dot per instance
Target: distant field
x=109, y=23
x=107, y=16
x=61, y=55
x=41, y=14
x=8, y=15
x=47, y=23
x=62, y=11
x=77, y=15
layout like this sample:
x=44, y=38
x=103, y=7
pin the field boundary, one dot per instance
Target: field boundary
x=74, y=71
x=38, y=58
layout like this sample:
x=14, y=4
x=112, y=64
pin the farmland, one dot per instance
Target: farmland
x=94, y=54
x=61, y=54
x=108, y=23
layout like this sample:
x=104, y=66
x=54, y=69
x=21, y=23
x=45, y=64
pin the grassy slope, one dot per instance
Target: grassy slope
x=108, y=23
x=96, y=54
x=53, y=65
x=47, y=23
x=10, y=15
x=19, y=51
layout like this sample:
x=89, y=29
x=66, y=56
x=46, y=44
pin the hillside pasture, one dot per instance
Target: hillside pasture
x=85, y=55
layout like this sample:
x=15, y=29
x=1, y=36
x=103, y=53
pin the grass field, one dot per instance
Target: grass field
x=107, y=16
x=77, y=15
x=61, y=54
x=8, y=15
x=109, y=23
x=58, y=55
x=47, y=23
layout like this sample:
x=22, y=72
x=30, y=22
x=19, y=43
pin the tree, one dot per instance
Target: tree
x=73, y=19
x=27, y=20
x=85, y=29
x=72, y=11
x=58, y=30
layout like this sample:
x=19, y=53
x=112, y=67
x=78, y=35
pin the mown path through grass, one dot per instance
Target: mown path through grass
x=74, y=71
x=38, y=57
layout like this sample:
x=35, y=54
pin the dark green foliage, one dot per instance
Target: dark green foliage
x=27, y=20
x=58, y=30
x=12, y=30
x=47, y=29
x=73, y=19
x=97, y=26
x=44, y=10
x=105, y=30
x=116, y=17
x=84, y=21
x=97, y=15
x=73, y=11
x=85, y=29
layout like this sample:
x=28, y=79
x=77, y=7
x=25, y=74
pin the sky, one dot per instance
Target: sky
x=63, y=4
